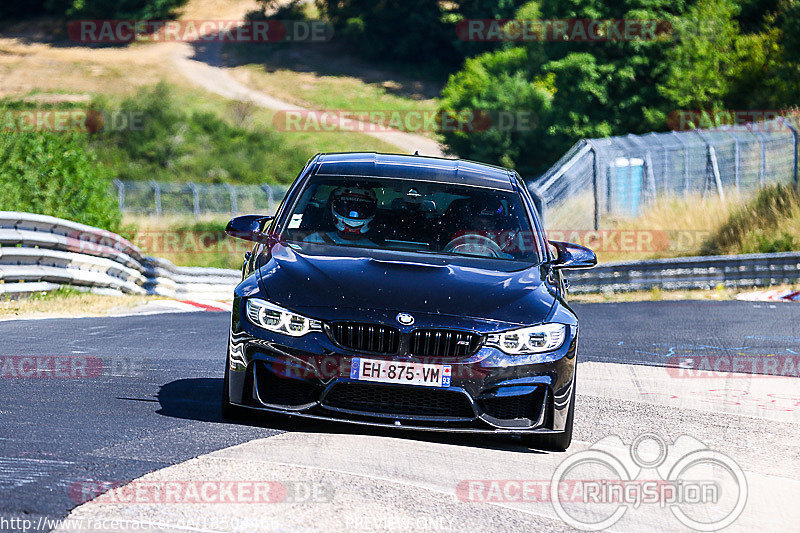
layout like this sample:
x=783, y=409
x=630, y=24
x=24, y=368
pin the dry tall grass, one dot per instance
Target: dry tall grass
x=186, y=241
x=766, y=222
x=769, y=222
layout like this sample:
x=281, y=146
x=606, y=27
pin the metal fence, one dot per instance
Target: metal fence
x=196, y=199
x=601, y=180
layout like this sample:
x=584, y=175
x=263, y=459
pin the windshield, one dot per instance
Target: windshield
x=416, y=216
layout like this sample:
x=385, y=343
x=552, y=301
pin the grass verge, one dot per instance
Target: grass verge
x=69, y=302
x=656, y=295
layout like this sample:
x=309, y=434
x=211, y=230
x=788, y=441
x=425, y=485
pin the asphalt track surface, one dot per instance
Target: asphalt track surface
x=156, y=404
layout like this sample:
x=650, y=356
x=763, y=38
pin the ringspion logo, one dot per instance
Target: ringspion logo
x=592, y=490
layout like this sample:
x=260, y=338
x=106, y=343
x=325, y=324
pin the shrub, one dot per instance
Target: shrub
x=178, y=143
x=764, y=224
x=55, y=174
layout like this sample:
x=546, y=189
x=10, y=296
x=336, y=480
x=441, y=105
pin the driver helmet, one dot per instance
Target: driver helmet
x=489, y=214
x=353, y=209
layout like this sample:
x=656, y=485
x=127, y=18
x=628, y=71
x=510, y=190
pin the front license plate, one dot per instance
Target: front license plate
x=394, y=372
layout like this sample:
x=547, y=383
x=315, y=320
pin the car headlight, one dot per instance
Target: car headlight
x=525, y=341
x=275, y=318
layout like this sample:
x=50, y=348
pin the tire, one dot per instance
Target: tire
x=234, y=412
x=556, y=442
x=230, y=411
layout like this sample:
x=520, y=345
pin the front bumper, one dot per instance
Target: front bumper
x=489, y=392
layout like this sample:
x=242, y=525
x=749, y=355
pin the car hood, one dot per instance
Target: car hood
x=331, y=277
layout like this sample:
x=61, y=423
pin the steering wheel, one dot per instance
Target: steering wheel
x=472, y=243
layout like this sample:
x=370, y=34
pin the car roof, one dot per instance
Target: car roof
x=423, y=168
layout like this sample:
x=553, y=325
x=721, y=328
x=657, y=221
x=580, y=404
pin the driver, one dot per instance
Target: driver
x=486, y=224
x=489, y=216
x=352, y=210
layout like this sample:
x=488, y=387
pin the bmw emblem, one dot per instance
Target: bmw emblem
x=405, y=319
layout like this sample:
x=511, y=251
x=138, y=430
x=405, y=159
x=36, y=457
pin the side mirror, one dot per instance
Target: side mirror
x=573, y=256
x=248, y=227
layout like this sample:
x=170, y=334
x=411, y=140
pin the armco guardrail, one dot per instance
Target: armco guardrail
x=39, y=253
x=751, y=270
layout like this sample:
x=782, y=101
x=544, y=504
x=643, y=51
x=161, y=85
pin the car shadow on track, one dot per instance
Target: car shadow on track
x=199, y=399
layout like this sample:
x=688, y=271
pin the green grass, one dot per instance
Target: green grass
x=188, y=136
x=65, y=291
x=328, y=76
x=344, y=93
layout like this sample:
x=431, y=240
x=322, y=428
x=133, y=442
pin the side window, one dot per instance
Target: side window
x=310, y=213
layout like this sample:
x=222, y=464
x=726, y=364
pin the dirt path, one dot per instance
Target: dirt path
x=203, y=67
x=26, y=64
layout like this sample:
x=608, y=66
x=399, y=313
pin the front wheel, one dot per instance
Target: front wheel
x=229, y=410
x=557, y=442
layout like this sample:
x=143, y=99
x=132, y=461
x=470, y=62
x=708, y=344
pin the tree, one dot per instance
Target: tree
x=496, y=86
x=705, y=59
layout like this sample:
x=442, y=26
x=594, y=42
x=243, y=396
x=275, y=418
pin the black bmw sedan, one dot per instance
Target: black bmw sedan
x=410, y=292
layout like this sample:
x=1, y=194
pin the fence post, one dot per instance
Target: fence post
x=736, y=159
x=708, y=159
x=195, y=199
x=649, y=176
x=763, y=140
x=794, y=155
x=712, y=156
x=120, y=194
x=685, y=162
x=595, y=183
x=156, y=196
x=270, y=197
x=655, y=138
x=234, y=203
